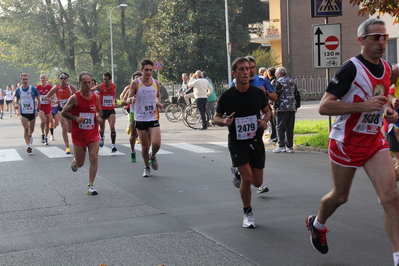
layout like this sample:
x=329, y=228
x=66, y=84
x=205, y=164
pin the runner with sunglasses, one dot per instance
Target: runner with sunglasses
x=358, y=96
x=63, y=91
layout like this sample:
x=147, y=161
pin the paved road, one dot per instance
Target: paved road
x=187, y=213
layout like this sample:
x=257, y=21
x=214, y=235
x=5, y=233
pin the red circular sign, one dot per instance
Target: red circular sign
x=158, y=64
x=331, y=43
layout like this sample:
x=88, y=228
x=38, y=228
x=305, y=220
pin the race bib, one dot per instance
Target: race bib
x=88, y=123
x=246, y=127
x=108, y=101
x=42, y=100
x=63, y=102
x=27, y=106
x=369, y=123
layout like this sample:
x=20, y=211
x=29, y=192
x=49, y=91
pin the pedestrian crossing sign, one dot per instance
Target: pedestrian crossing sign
x=326, y=8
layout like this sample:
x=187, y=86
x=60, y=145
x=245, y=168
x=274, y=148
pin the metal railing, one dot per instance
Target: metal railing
x=315, y=86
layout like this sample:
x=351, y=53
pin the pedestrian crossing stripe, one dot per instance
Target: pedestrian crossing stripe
x=105, y=151
x=52, y=152
x=9, y=155
x=328, y=6
x=137, y=147
x=193, y=148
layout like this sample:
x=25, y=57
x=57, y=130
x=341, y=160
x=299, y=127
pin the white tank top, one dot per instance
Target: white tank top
x=145, y=108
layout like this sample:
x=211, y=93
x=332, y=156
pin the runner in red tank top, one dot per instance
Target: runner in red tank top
x=107, y=93
x=84, y=110
x=45, y=107
x=63, y=92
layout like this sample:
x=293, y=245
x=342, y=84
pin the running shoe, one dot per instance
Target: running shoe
x=289, y=150
x=45, y=141
x=153, y=162
x=10, y=115
x=128, y=130
x=262, y=189
x=279, y=149
x=101, y=142
x=133, y=157
x=237, y=177
x=317, y=237
x=137, y=141
x=74, y=167
x=147, y=172
x=52, y=137
x=91, y=190
x=42, y=138
x=249, y=221
x=237, y=180
x=30, y=139
x=113, y=150
x=68, y=150
x=29, y=149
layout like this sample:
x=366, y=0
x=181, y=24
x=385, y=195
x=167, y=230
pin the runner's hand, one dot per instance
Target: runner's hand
x=229, y=119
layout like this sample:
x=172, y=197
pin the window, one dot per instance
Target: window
x=391, y=54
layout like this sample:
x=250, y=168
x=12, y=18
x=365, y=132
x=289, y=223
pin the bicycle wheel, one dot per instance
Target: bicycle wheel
x=192, y=118
x=304, y=94
x=169, y=112
x=178, y=112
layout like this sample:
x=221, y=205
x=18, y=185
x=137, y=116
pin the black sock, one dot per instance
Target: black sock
x=102, y=135
x=247, y=209
x=113, y=137
x=52, y=131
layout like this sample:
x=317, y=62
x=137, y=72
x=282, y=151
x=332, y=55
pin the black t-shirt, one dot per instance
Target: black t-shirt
x=342, y=80
x=244, y=104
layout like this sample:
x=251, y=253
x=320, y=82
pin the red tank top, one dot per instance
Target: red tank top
x=107, y=97
x=87, y=109
x=43, y=92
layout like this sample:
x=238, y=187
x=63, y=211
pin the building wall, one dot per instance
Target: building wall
x=297, y=40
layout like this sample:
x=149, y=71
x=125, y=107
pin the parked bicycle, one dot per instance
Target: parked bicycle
x=174, y=111
x=304, y=94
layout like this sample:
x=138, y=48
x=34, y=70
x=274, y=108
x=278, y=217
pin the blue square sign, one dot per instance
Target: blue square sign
x=326, y=8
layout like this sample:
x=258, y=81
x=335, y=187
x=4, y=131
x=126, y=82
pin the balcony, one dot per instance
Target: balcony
x=265, y=31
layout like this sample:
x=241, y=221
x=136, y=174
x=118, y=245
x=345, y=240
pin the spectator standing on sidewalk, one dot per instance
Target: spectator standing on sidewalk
x=357, y=94
x=202, y=89
x=285, y=107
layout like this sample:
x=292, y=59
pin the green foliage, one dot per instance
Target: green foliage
x=265, y=58
x=311, y=133
x=390, y=7
x=310, y=126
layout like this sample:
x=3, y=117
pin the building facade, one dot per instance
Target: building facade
x=289, y=33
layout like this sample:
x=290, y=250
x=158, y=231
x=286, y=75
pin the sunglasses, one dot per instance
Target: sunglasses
x=63, y=78
x=376, y=36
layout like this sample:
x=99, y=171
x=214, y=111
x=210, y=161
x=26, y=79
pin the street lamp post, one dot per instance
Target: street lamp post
x=228, y=44
x=112, y=48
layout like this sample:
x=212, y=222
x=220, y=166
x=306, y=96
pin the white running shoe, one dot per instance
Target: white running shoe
x=262, y=189
x=74, y=167
x=279, y=149
x=289, y=150
x=147, y=172
x=91, y=190
x=154, y=162
x=249, y=221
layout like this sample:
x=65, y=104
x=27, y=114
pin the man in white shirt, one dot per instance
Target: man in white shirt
x=202, y=89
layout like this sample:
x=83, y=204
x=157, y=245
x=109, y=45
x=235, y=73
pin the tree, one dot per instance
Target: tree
x=390, y=7
x=190, y=34
x=265, y=58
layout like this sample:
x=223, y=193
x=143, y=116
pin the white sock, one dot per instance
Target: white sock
x=318, y=225
x=396, y=258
